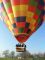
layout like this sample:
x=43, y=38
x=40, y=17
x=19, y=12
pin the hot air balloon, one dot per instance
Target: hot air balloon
x=23, y=18
x=44, y=10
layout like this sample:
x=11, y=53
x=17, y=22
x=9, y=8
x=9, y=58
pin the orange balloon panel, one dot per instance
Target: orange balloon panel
x=0, y=1
x=26, y=16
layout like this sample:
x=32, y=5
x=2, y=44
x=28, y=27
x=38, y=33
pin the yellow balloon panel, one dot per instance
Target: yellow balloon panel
x=8, y=9
x=30, y=14
x=4, y=17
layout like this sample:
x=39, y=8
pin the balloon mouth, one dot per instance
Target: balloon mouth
x=22, y=38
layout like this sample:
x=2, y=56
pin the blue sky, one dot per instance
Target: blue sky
x=35, y=44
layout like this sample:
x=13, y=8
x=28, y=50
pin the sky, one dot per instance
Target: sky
x=35, y=43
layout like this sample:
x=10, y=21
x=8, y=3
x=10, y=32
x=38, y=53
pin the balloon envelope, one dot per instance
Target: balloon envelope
x=24, y=17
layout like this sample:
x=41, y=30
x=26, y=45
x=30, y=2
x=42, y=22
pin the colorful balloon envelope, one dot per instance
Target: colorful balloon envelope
x=23, y=17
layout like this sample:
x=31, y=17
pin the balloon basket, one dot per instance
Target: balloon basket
x=20, y=47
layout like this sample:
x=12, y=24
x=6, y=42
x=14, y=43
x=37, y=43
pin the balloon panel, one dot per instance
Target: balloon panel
x=8, y=9
x=0, y=1
x=25, y=16
x=4, y=17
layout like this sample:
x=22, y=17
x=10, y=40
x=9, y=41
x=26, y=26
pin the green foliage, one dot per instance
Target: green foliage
x=6, y=53
x=22, y=56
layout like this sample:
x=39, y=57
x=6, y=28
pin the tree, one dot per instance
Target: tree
x=25, y=54
x=12, y=54
x=6, y=53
